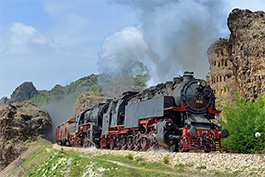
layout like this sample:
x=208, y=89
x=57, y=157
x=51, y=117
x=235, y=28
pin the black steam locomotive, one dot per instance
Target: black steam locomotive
x=175, y=115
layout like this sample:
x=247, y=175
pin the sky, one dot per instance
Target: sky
x=53, y=42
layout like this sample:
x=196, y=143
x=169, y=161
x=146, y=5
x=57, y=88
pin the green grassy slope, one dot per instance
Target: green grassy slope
x=44, y=159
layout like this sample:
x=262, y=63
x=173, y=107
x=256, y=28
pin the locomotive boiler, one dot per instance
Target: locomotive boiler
x=177, y=115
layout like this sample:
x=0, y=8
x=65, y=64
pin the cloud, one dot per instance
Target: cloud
x=30, y=55
x=168, y=36
x=54, y=42
x=26, y=39
x=24, y=34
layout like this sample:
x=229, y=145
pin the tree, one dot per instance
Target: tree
x=243, y=120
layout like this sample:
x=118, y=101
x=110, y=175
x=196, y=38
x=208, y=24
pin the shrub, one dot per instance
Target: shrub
x=166, y=160
x=139, y=159
x=129, y=156
x=180, y=165
x=201, y=167
x=243, y=120
x=40, y=98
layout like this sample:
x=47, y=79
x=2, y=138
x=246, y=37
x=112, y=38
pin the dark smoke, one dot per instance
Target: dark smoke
x=172, y=36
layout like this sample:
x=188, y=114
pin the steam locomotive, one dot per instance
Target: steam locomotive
x=176, y=115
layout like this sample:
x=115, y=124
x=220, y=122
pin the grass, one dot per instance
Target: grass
x=141, y=163
x=51, y=162
x=67, y=163
x=69, y=91
x=200, y=167
x=166, y=160
x=41, y=97
x=129, y=156
x=37, y=153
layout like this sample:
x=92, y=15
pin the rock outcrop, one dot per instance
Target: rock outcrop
x=73, y=90
x=221, y=75
x=27, y=91
x=23, y=92
x=237, y=64
x=87, y=100
x=20, y=122
x=3, y=101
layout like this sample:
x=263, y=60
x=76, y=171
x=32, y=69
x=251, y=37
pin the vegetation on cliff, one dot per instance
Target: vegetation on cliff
x=243, y=120
x=75, y=88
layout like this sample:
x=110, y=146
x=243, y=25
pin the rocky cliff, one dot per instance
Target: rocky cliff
x=59, y=101
x=27, y=91
x=20, y=122
x=24, y=92
x=237, y=64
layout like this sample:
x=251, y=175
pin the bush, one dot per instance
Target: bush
x=129, y=156
x=166, y=160
x=40, y=98
x=243, y=120
x=201, y=167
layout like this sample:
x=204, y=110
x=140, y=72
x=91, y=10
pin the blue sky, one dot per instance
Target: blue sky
x=59, y=41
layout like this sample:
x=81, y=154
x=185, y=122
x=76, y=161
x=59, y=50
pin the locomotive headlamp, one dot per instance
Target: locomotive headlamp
x=202, y=83
x=257, y=134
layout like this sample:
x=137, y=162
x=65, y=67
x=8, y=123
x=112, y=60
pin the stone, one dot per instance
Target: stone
x=87, y=100
x=3, y=101
x=24, y=92
x=237, y=64
x=20, y=122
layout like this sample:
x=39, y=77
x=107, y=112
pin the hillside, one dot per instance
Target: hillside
x=68, y=161
x=27, y=91
x=63, y=102
x=59, y=101
x=19, y=124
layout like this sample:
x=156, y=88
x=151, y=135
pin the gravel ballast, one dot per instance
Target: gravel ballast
x=214, y=162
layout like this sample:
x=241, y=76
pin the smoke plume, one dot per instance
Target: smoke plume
x=172, y=36
x=121, y=61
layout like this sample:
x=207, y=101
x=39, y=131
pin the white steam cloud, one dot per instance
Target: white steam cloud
x=121, y=51
x=121, y=60
x=173, y=37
